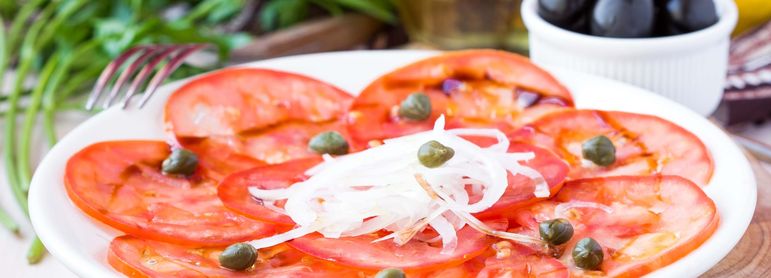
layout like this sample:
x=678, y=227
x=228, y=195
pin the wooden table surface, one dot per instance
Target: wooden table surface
x=752, y=255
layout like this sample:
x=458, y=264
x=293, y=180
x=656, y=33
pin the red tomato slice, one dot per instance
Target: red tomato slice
x=521, y=188
x=361, y=252
x=644, y=144
x=218, y=161
x=496, y=89
x=136, y=257
x=262, y=114
x=120, y=184
x=234, y=190
x=655, y=220
x=523, y=262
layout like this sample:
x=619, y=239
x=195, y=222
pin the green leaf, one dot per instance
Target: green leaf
x=119, y=35
x=283, y=13
x=225, y=10
x=123, y=11
x=381, y=10
x=329, y=5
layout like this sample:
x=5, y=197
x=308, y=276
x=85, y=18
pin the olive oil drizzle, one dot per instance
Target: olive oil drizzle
x=617, y=130
x=633, y=138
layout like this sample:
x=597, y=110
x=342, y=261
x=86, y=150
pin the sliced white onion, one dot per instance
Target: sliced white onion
x=280, y=238
x=447, y=232
x=377, y=189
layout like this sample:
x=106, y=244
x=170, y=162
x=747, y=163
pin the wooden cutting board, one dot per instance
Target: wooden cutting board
x=752, y=256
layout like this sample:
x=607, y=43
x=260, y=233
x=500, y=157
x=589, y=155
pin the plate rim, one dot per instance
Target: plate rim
x=84, y=266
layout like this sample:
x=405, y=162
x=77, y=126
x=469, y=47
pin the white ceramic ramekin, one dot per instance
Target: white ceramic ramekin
x=688, y=68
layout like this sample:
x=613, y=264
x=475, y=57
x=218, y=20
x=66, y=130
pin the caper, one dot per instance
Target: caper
x=417, y=107
x=180, y=162
x=330, y=142
x=599, y=150
x=587, y=254
x=239, y=256
x=433, y=154
x=390, y=273
x=556, y=231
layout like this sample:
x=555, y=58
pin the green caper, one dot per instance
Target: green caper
x=433, y=154
x=587, y=254
x=599, y=150
x=417, y=107
x=239, y=256
x=390, y=273
x=556, y=231
x=330, y=142
x=180, y=162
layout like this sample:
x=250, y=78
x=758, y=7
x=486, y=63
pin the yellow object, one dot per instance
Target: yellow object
x=752, y=13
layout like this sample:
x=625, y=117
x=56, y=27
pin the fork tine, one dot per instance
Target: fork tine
x=107, y=74
x=145, y=72
x=124, y=76
x=162, y=74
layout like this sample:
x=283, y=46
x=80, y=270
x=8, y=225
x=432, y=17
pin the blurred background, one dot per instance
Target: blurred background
x=51, y=53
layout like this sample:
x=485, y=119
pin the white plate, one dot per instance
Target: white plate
x=81, y=243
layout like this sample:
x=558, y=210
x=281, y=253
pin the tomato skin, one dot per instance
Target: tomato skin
x=523, y=262
x=521, y=188
x=218, y=161
x=120, y=184
x=232, y=96
x=136, y=257
x=494, y=80
x=254, y=116
x=655, y=221
x=359, y=252
x=234, y=190
x=645, y=145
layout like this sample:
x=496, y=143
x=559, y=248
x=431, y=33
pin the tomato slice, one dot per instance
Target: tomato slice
x=261, y=114
x=218, y=161
x=120, y=184
x=644, y=144
x=136, y=257
x=521, y=188
x=234, y=190
x=471, y=88
x=361, y=252
x=654, y=221
x=523, y=262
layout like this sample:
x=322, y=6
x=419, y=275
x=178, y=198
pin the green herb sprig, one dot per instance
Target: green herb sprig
x=72, y=41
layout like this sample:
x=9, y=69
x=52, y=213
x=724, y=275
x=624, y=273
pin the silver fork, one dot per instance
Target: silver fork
x=148, y=55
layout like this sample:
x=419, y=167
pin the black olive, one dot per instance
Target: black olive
x=580, y=24
x=665, y=27
x=562, y=13
x=660, y=4
x=623, y=18
x=691, y=15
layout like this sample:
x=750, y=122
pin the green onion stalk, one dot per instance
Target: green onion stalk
x=66, y=44
x=19, y=175
x=5, y=219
